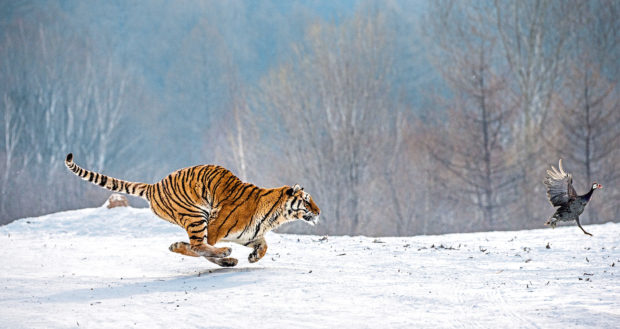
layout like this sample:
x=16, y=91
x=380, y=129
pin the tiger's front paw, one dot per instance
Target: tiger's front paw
x=254, y=256
x=227, y=262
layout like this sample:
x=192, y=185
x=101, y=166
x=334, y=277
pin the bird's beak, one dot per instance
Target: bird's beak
x=600, y=186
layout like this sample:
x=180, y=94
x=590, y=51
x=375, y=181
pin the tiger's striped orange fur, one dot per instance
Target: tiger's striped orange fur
x=213, y=205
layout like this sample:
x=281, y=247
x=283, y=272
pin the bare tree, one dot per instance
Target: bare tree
x=236, y=148
x=334, y=106
x=60, y=98
x=534, y=35
x=472, y=138
x=588, y=110
x=589, y=119
x=473, y=146
x=13, y=131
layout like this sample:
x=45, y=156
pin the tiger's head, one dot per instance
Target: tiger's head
x=301, y=206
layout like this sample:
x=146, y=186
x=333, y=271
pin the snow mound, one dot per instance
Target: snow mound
x=110, y=268
x=119, y=221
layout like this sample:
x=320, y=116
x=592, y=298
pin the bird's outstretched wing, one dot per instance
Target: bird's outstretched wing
x=559, y=186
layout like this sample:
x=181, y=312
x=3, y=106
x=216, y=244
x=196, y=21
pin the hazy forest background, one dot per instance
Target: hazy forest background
x=399, y=117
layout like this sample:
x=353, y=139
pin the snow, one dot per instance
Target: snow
x=111, y=268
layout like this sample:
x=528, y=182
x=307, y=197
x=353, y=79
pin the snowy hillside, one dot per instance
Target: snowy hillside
x=101, y=268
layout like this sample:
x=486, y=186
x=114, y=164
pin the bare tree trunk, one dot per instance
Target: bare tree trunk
x=533, y=35
x=240, y=147
x=470, y=145
x=13, y=127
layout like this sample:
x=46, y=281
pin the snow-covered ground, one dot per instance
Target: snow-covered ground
x=111, y=268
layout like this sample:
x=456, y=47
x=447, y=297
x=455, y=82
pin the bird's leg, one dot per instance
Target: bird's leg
x=584, y=231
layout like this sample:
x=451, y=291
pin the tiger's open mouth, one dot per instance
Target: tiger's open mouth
x=311, y=218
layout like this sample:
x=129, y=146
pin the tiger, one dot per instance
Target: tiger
x=212, y=204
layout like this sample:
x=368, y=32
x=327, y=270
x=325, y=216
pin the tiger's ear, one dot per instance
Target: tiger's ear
x=294, y=189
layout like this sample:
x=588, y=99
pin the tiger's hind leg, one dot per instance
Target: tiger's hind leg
x=196, y=231
x=184, y=248
x=199, y=249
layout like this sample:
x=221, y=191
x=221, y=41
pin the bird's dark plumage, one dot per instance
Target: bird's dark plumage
x=561, y=194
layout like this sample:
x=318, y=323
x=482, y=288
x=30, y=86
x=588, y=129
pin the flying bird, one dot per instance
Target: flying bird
x=561, y=194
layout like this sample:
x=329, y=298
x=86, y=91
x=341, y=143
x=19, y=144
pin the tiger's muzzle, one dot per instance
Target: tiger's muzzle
x=311, y=218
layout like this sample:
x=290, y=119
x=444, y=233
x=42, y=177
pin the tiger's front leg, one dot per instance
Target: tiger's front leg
x=260, y=248
x=223, y=262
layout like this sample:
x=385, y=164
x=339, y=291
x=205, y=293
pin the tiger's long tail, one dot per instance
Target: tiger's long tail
x=117, y=185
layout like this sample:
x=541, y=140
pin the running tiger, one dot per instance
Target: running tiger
x=213, y=205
